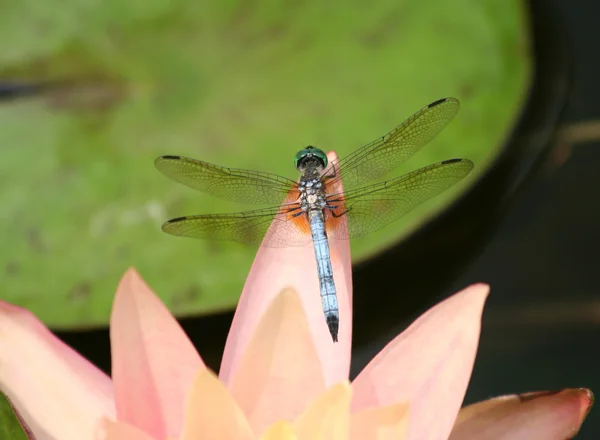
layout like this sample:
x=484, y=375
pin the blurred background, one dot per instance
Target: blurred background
x=92, y=92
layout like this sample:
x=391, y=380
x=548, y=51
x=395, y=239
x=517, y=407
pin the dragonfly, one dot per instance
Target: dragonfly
x=315, y=207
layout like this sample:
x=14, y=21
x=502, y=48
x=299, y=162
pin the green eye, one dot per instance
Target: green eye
x=310, y=152
x=321, y=155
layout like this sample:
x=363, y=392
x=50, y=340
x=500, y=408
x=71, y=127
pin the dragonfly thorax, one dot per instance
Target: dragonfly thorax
x=312, y=196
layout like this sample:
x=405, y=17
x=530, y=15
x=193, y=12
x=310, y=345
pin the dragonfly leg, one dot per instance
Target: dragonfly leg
x=334, y=172
x=333, y=213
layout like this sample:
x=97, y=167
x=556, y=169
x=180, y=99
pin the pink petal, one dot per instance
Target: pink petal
x=212, y=413
x=122, y=431
x=153, y=361
x=280, y=374
x=328, y=418
x=382, y=423
x=428, y=365
x=275, y=269
x=544, y=415
x=57, y=392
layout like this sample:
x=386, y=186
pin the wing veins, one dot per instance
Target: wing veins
x=397, y=146
x=248, y=227
x=372, y=207
x=235, y=184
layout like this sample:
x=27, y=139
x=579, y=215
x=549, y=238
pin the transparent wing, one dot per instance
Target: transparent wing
x=281, y=226
x=376, y=159
x=372, y=207
x=244, y=186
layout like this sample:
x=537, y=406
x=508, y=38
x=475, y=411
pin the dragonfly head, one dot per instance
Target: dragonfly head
x=310, y=157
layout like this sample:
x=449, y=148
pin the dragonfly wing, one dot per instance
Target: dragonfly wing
x=376, y=159
x=372, y=207
x=271, y=227
x=244, y=186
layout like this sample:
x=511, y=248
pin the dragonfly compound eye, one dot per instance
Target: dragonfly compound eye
x=308, y=155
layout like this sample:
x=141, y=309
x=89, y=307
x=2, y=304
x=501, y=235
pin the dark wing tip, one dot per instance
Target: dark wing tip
x=438, y=102
x=175, y=220
x=454, y=161
x=160, y=159
x=165, y=226
x=171, y=227
x=441, y=101
x=467, y=164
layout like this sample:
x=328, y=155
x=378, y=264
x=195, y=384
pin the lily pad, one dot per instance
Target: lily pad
x=10, y=428
x=240, y=84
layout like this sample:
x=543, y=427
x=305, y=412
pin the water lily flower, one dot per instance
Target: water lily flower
x=282, y=377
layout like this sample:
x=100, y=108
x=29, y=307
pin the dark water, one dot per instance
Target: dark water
x=541, y=329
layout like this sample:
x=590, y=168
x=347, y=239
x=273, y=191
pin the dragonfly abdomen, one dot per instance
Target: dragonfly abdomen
x=325, y=272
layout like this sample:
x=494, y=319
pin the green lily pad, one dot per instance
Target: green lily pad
x=10, y=428
x=234, y=83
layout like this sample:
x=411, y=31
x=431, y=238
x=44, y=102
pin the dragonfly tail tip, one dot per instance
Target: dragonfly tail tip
x=333, y=322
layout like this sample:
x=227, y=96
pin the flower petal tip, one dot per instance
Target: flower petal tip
x=538, y=414
x=153, y=361
x=585, y=398
x=581, y=398
x=478, y=289
x=289, y=294
x=472, y=297
x=131, y=271
x=279, y=431
x=129, y=278
x=133, y=289
x=587, y=402
x=211, y=412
